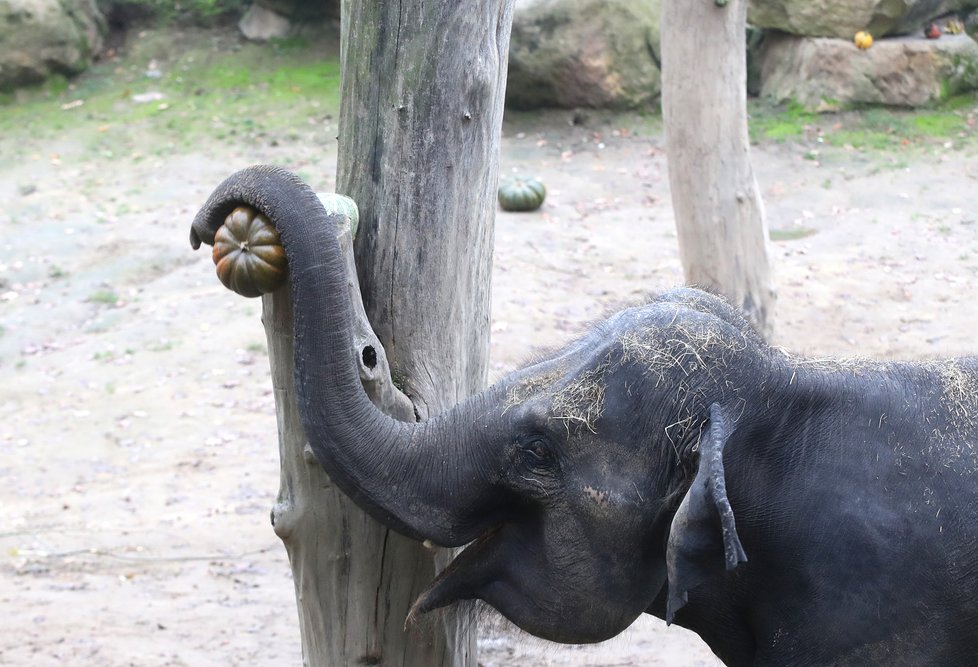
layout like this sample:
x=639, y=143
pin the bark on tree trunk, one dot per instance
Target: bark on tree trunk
x=423, y=89
x=341, y=558
x=719, y=214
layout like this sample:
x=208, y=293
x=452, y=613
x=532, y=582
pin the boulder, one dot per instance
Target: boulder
x=39, y=38
x=843, y=18
x=275, y=19
x=261, y=24
x=584, y=53
x=824, y=73
x=921, y=12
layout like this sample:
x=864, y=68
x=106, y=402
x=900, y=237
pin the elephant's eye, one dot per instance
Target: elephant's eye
x=536, y=451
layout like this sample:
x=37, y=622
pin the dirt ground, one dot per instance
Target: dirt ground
x=137, y=429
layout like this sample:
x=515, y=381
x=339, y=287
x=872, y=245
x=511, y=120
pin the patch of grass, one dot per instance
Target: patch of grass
x=182, y=88
x=163, y=345
x=293, y=43
x=861, y=138
x=791, y=234
x=104, y=297
x=169, y=10
x=960, y=102
x=56, y=84
x=779, y=123
x=868, y=128
x=939, y=124
x=781, y=130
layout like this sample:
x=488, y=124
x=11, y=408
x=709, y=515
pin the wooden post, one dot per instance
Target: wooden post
x=719, y=214
x=423, y=90
x=342, y=588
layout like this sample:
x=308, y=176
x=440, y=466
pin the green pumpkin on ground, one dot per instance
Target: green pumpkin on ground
x=522, y=194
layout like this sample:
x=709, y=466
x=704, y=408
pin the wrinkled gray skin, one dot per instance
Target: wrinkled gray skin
x=639, y=469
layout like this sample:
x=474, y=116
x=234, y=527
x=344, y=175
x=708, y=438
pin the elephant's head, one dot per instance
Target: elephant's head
x=585, y=483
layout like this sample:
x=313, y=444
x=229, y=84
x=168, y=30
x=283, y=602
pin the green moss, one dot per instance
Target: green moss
x=867, y=128
x=778, y=123
x=104, y=297
x=960, y=102
x=169, y=10
x=961, y=77
x=294, y=43
x=56, y=83
x=783, y=130
x=862, y=138
x=939, y=124
x=791, y=234
x=207, y=85
x=224, y=76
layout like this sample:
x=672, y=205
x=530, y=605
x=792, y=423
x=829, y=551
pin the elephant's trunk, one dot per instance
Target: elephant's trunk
x=411, y=477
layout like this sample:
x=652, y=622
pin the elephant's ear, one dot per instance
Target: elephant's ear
x=703, y=536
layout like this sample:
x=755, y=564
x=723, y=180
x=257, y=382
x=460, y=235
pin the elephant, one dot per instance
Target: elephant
x=790, y=511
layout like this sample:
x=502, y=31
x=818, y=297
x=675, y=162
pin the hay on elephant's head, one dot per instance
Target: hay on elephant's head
x=581, y=400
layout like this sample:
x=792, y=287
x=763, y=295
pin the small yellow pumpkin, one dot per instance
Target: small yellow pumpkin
x=863, y=40
x=248, y=253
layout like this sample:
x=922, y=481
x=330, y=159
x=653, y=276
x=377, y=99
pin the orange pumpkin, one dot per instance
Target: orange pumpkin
x=248, y=253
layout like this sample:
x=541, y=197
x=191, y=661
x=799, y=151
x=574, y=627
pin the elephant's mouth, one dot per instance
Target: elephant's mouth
x=507, y=567
x=463, y=577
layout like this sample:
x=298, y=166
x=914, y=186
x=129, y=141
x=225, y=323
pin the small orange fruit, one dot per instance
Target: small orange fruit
x=863, y=40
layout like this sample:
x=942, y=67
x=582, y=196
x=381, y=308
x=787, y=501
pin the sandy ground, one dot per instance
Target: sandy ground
x=137, y=428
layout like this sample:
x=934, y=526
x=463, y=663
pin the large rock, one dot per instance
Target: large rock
x=899, y=71
x=39, y=38
x=262, y=24
x=920, y=12
x=584, y=53
x=274, y=19
x=843, y=18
